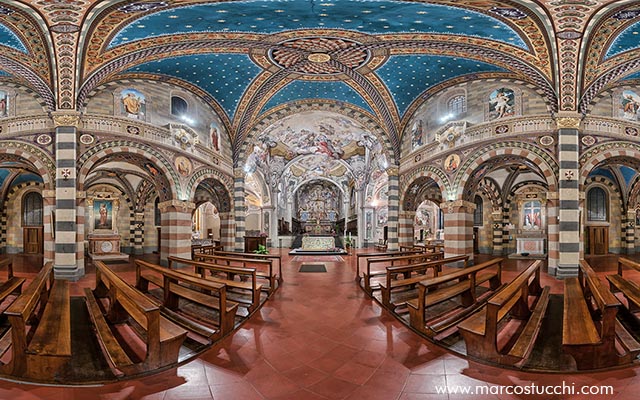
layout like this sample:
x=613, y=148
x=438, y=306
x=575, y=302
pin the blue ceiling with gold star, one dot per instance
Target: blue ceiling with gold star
x=629, y=39
x=224, y=76
x=271, y=16
x=10, y=39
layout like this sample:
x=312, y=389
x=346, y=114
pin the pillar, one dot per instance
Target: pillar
x=48, y=208
x=496, y=226
x=270, y=225
x=67, y=250
x=227, y=230
x=175, y=239
x=137, y=233
x=630, y=232
x=553, y=233
x=458, y=228
x=239, y=209
x=569, y=195
x=394, y=209
x=405, y=227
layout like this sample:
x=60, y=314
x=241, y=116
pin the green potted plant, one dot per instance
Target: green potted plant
x=348, y=242
x=261, y=250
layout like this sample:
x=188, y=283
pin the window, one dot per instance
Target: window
x=597, y=205
x=457, y=105
x=32, y=209
x=179, y=106
x=477, y=214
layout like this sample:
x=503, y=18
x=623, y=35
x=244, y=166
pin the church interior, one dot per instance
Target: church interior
x=319, y=199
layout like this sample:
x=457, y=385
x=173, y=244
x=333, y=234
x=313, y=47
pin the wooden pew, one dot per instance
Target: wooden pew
x=629, y=288
x=176, y=285
x=237, y=289
x=463, y=283
x=591, y=333
x=42, y=352
x=13, y=284
x=381, y=245
x=264, y=267
x=377, y=267
x=162, y=338
x=480, y=331
x=365, y=256
x=397, y=291
x=275, y=260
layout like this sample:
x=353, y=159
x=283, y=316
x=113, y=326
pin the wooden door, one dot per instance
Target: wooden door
x=33, y=239
x=475, y=241
x=598, y=240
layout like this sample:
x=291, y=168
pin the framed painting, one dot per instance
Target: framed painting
x=103, y=215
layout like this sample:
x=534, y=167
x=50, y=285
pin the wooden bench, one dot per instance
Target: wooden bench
x=13, y=284
x=629, y=288
x=244, y=290
x=381, y=245
x=591, y=332
x=178, y=285
x=482, y=330
x=461, y=283
x=40, y=352
x=377, y=267
x=397, y=291
x=276, y=263
x=365, y=256
x=124, y=306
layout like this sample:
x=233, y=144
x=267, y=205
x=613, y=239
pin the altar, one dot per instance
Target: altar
x=531, y=245
x=318, y=243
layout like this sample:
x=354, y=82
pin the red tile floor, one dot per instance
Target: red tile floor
x=321, y=337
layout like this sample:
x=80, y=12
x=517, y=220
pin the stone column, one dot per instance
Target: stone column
x=66, y=217
x=80, y=233
x=630, y=232
x=569, y=195
x=48, y=207
x=405, y=227
x=458, y=228
x=239, y=209
x=394, y=209
x=496, y=226
x=176, y=229
x=553, y=233
x=138, y=233
x=270, y=225
x=227, y=230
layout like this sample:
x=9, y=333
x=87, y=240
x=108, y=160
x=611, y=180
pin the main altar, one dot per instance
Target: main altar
x=318, y=243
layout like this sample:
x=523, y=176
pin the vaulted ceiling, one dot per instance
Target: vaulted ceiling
x=382, y=57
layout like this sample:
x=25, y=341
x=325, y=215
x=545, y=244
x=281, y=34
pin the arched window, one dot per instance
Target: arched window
x=477, y=214
x=179, y=106
x=597, y=205
x=457, y=105
x=32, y=209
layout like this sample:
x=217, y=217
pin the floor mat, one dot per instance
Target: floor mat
x=312, y=268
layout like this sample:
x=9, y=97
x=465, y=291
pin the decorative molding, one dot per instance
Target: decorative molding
x=66, y=120
x=568, y=123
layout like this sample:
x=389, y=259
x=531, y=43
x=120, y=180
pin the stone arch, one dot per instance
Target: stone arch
x=598, y=154
x=492, y=192
x=41, y=161
x=610, y=187
x=367, y=120
x=548, y=166
x=209, y=173
x=89, y=159
x=429, y=171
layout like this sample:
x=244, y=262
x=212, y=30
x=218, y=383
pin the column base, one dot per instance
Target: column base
x=68, y=272
x=565, y=271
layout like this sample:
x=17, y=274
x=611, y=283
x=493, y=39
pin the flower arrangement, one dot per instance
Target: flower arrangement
x=261, y=250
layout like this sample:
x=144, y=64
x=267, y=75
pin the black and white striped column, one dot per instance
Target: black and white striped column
x=239, y=208
x=496, y=224
x=569, y=197
x=630, y=232
x=394, y=209
x=66, y=265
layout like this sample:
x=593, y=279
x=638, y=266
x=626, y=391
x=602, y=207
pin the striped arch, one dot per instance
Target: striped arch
x=492, y=191
x=612, y=188
x=367, y=120
x=428, y=171
x=39, y=159
x=536, y=155
x=89, y=159
x=4, y=216
x=206, y=173
x=598, y=154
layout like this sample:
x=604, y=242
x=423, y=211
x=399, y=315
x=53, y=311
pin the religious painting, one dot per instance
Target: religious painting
x=133, y=104
x=103, y=214
x=214, y=134
x=451, y=163
x=4, y=104
x=629, y=105
x=151, y=168
x=416, y=134
x=501, y=103
x=183, y=165
x=531, y=215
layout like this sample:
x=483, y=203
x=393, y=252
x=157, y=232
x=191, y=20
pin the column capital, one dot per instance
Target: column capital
x=49, y=193
x=66, y=118
x=454, y=205
x=393, y=171
x=183, y=206
x=568, y=120
x=81, y=194
x=553, y=195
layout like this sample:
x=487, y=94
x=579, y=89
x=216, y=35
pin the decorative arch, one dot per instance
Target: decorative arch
x=548, y=166
x=44, y=165
x=367, y=120
x=89, y=159
x=610, y=187
x=206, y=173
x=428, y=171
x=489, y=187
x=598, y=154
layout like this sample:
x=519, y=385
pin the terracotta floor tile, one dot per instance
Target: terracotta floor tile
x=333, y=388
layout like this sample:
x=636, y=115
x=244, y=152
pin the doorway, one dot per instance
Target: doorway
x=598, y=240
x=33, y=240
